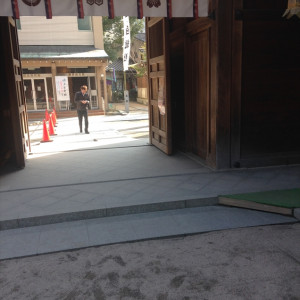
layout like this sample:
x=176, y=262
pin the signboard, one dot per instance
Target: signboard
x=126, y=44
x=62, y=88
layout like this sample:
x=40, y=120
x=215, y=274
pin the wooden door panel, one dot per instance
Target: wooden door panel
x=18, y=112
x=200, y=95
x=264, y=102
x=159, y=95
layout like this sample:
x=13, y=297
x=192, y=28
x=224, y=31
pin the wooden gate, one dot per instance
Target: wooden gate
x=265, y=97
x=200, y=111
x=159, y=88
x=15, y=112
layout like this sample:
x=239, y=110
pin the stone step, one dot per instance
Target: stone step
x=129, y=228
x=104, y=212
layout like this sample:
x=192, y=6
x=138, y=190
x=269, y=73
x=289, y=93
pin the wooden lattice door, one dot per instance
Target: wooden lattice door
x=159, y=91
x=17, y=109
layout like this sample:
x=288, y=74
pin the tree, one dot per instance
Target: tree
x=113, y=34
x=141, y=68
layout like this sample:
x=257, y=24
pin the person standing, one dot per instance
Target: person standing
x=82, y=100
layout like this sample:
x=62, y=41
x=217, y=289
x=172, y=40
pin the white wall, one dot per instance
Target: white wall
x=56, y=31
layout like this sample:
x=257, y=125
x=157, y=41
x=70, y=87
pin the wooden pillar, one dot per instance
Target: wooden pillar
x=101, y=79
x=53, y=71
x=236, y=85
x=105, y=87
x=98, y=86
x=224, y=19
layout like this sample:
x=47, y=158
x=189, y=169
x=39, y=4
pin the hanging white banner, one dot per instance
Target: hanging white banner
x=151, y=8
x=126, y=44
x=62, y=88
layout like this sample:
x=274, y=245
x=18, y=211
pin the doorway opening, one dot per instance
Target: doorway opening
x=80, y=67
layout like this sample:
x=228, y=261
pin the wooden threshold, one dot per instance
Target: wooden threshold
x=255, y=206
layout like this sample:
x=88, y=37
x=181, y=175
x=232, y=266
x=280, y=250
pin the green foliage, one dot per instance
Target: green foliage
x=141, y=68
x=133, y=94
x=117, y=96
x=113, y=34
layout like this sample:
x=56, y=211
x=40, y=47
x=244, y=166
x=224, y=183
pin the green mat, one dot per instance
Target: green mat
x=280, y=198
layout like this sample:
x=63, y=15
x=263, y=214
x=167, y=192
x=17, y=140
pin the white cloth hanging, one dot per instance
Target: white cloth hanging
x=150, y=8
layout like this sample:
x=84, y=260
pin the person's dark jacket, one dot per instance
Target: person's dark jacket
x=78, y=97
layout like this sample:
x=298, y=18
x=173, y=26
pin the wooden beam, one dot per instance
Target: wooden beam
x=157, y=74
x=156, y=60
x=159, y=132
x=224, y=21
x=27, y=63
x=236, y=92
x=153, y=21
x=160, y=145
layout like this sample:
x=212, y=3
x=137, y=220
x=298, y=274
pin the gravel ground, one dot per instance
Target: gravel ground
x=249, y=263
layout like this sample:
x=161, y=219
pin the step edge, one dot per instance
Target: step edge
x=106, y=212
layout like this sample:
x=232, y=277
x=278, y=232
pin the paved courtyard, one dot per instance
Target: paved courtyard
x=108, y=216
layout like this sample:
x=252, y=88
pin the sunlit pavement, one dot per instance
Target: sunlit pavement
x=122, y=129
x=112, y=186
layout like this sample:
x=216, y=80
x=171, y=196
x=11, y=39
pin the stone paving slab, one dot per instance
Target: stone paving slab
x=44, y=205
x=111, y=177
x=97, y=165
x=65, y=211
x=127, y=228
x=56, y=196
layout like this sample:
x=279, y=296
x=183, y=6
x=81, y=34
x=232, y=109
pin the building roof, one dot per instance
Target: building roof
x=53, y=52
x=118, y=66
x=141, y=36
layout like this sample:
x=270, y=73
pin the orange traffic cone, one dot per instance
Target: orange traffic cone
x=46, y=115
x=51, y=127
x=53, y=119
x=46, y=137
x=55, y=115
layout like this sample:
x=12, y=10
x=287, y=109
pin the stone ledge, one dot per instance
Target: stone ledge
x=105, y=212
x=297, y=213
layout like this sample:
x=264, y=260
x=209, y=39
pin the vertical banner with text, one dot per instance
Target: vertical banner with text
x=62, y=88
x=126, y=44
